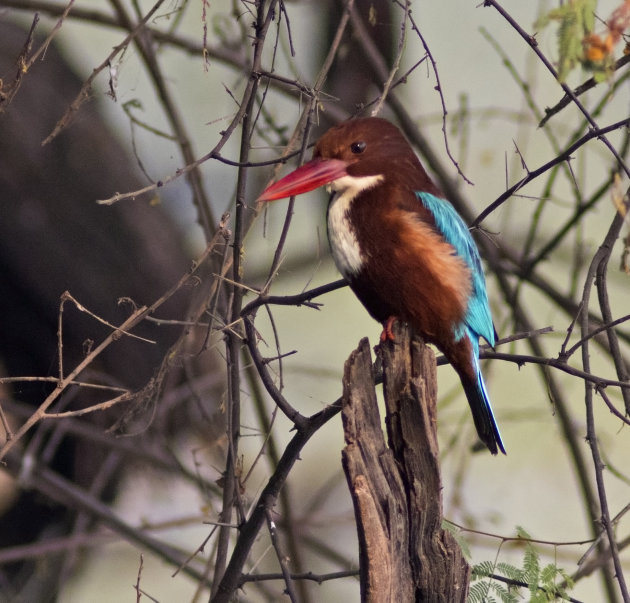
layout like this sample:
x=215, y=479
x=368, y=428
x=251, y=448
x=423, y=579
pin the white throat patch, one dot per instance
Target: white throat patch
x=344, y=245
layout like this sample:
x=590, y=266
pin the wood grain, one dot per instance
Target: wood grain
x=396, y=486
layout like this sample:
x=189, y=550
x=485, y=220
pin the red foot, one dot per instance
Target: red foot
x=387, y=329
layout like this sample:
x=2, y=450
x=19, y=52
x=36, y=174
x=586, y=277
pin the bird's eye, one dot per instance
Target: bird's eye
x=358, y=147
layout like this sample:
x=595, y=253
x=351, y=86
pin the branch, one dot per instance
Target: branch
x=564, y=156
x=301, y=299
x=249, y=530
x=531, y=41
x=565, y=101
x=597, y=269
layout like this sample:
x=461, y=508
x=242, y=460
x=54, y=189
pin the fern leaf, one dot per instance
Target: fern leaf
x=483, y=570
x=510, y=571
x=504, y=593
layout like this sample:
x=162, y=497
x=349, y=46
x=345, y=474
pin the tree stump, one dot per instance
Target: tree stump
x=404, y=553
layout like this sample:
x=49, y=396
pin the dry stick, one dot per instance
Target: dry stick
x=234, y=340
x=299, y=421
x=144, y=44
x=588, y=563
x=63, y=383
x=564, y=156
x=85, y=89
x=387, y=85
x=63, y=491
x=566, y=100
x=137, y=316
x=283, y=560
x=404, y=553
x=46, y=43
x=604, y=305
x=303, y=128
x=5, y=424
x=137, y=585
x=109, y=388
x=301, y=299
x=249, y=530
x=305, y=119
x=270, y=449
x=9, y=88
x=561, y=407
x=66, y=296
x=319, y=578
x=440, y=92
x=560, y=364
x=533, y=44
x=597, y=269
x=84, y=411
x=267, y=380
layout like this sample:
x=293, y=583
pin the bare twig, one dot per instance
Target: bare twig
x=85, y=89
x=598, y=269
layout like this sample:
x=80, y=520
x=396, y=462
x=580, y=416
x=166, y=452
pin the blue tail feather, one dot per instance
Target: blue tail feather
x=483, y=416
x=477, y=321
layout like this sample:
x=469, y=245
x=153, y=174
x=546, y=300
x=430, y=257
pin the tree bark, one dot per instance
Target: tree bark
x=404, y=553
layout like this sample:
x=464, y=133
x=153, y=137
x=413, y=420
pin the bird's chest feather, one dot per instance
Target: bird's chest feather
x=348, y=252
x=398, y=263
x=342, y=237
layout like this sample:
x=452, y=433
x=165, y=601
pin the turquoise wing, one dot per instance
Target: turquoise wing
x=454, y=230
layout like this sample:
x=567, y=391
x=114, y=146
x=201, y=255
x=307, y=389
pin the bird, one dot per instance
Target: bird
x=402, y=247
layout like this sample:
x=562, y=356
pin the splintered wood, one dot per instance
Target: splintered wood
x=404, y=553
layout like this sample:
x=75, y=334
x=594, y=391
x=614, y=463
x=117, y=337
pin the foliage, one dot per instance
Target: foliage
x=578, y=44
x=547, y=583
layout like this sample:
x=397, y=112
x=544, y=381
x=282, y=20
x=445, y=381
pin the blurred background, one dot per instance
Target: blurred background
x=83, y=497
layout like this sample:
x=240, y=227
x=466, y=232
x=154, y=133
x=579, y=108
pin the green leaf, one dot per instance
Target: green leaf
x=483, y=570
x=510, y=571
x=478, y=592
x=504, y=594
x=576, y=20
x=541, y=583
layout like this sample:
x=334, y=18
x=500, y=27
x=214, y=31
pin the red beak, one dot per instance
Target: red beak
x=306, y=178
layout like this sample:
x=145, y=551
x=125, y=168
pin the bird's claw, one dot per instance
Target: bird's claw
x=388, y=334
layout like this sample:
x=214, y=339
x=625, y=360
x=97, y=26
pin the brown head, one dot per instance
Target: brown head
x=357, y=148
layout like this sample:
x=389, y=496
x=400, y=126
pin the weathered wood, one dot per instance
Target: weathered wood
x=377, y=489
x=405, y=555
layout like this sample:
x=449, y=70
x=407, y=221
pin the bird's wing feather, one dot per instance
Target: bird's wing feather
x=456, y=233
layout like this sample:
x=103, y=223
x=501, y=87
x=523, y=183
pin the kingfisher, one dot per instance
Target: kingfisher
x=402, y=247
